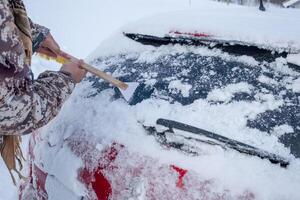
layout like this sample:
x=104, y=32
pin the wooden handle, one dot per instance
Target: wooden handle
x=96, y=72
x=105, y=76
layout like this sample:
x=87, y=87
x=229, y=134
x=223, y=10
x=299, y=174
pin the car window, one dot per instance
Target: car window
x=182, y=74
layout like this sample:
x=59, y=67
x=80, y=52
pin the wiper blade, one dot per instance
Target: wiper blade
x=222, y=141
x=233, y=47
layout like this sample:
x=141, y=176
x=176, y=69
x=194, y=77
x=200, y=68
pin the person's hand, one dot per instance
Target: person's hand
x=75, y=70
x=49, y=47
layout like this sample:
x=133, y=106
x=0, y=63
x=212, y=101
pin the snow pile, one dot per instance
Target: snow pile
x=177, y=85
x=267, y=80
x=282, y=129
x=225, y=94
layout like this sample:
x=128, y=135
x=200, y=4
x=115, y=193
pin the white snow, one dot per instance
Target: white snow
x=79, y=27
x=64, y=167
x=296, y=85
x=288, y=3
x=267, y=80
x=229, y=119
x=294, y=59
x=105, y=119
x=100, y=116
x=280, y=66
x=7, y=189
x=225, y=94
x=57, y=190
x=129, y=92
x=183, y=88
x=282, y=129
x=275, y=29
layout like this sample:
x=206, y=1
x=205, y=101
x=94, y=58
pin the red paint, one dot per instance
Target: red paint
x=36, y=176
x=191, y=34
x=35, y=171
x=40, y=181
x=112, y=152
x=37, y=179
x=182, y=173
x=32, y=143
x=99, y=183
x=101, y=186
x=94, y=179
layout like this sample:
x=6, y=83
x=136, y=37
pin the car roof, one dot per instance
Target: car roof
x=276, y=28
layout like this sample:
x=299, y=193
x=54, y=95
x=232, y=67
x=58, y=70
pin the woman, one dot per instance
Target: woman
x=26, y=104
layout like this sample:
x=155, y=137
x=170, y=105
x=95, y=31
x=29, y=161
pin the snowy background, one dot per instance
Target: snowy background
x=79, y=27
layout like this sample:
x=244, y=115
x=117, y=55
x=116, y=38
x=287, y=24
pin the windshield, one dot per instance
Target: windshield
x=181, y=74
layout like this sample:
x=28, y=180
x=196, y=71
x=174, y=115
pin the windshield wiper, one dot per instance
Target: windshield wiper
x=233, y=47
x=211, y=138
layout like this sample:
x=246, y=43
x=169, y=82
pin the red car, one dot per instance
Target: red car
x=239, y=90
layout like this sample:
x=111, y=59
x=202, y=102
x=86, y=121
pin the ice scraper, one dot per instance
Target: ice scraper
x=127, y=89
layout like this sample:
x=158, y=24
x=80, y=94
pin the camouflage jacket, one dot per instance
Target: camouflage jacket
x=25, y=104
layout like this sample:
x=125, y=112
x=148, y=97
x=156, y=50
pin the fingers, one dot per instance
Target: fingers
x=64, y=55
x=75, y=69
x=47, y=52
x=80, y=63
x=49, y=47
x=51, y=44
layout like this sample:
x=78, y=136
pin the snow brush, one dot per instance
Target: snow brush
x=126, y=89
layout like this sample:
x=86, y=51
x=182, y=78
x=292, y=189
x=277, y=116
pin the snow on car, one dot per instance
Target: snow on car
x=222, y=70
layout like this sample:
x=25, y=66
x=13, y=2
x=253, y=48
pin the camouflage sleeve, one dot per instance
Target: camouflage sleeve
x=25, y=105
x=38, y=33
